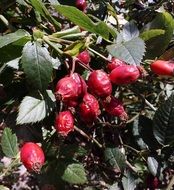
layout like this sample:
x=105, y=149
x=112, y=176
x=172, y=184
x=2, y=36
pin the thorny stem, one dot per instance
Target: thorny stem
x=83, y=64
x=88, y=137
x=100, y=55
x=170, y=185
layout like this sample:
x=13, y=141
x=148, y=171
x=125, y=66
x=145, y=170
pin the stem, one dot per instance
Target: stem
x=46, y=39
x=5, y=21
x=170, y=185
x=83, y=64
x=59, y=40
x=131, y=167
x=88, y=137
x=100, y=55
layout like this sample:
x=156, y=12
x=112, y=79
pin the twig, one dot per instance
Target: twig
x=131, y=167
x=6, y=22
x=100, y=55
x=88, y=137
x=170, y=185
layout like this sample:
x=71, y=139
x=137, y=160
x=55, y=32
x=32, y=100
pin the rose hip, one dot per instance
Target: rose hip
x=161, y=67
x=32, y=156
x=99, y=83
x=115, y=107
x=81, y=4
x=115, y=63
x=64, y=123
x=125, y=74
x=84, y=57
x=89, y=109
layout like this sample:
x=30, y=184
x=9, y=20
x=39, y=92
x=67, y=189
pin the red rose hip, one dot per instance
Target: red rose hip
x=99, y=83
x=64, y=123
x=115, y=63
x=81, y=4
x=115, y=107
x=161, y=67
x=89, y=109
x=125, y=74
x=84, y=57
x=32, y=156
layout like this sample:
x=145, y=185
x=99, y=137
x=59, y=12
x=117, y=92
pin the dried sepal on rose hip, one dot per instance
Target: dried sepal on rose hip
x=163, y=68
x=89, y=109
x=84, y=57
x=99, y=83
x=115, y=107
x=32, y=156
x=125, y=74
x=81, y=4
x=114, y=63
x=64, y=123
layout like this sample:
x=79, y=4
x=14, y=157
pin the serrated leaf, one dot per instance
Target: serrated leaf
x=115, y=186
x=115, y=158
x=3, y=188
x=33, y=110
x=37, y=65
x=75, y=174
x=54, y=2
x=9, y=143
x=147, y=35
x=82, y=20
x=129, y=181
x=156, y=46
x=153, y=165
x=13, y=37
x=131, y=51
x=163, y=122
x=130, y=31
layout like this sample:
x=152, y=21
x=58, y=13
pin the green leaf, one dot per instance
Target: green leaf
x=130, y=51
x=157, y=45
x=153, y=165
x=13, y=37
x=3, y=188
x=147, y=35
x=163, y=126
x=82, y=20
x=129, y=181
x=54, y=2
x=75, y=174
x=115, y=186
x=37, y=65
x=33, y=109
x=9, y=143
x=40, y=7
x=14, y=63
x=115, y=158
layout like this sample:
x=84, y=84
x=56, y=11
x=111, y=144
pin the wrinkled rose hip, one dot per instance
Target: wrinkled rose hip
x=125, y=74
x=99, y=83
x=115, y=63
x=84, y=57
x=115, y=107
x=89, y=109
x=64, y=123
x=32, y=156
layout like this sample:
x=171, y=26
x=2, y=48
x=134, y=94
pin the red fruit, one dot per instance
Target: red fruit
x=32, y=156
x=81, y=4
x=81, y=84
x=99, y=83
x=66, y=89
x=152, y=182
x=124, y=74
x=115, y=63
x=89, y=109
x=64, y=123
x=115, y=107
x=161, y=67
x=84, y=57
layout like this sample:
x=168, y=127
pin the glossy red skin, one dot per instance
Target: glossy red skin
x=89, y=108
x=32, y=156
x=161, y=67
x=99, y=83
x=64, y=123
x=152, y=182
x=81, y=4
x=124, y=74
x=115, y=108
x=84, y=57
x=115, y=63
x=81, y=84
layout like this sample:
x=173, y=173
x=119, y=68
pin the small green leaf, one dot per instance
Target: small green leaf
x=115, y=158
x=129, y=181
x=147, y=35
x=75, y=174
x=153, y=165
x=14, y=63
x=37, y=64
x=54, y=2
x=3, y=188
x=13, y=37
x=163, y=122
x=9, y=143
x=82, y=20
x=130, y=51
